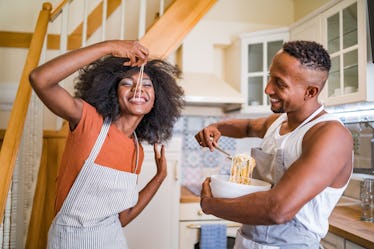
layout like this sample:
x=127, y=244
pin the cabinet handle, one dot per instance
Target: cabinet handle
x=200, y=213
x=198, y=226
x=176, y=170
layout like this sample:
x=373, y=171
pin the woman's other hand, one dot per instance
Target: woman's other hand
x=160, y=161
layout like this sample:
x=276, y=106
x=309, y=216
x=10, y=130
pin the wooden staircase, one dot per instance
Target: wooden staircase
x=162, y=38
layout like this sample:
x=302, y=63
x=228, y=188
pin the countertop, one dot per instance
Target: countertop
x=187, y=196
x=344, y=220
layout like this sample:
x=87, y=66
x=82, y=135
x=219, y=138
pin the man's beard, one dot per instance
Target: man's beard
x=279, y=110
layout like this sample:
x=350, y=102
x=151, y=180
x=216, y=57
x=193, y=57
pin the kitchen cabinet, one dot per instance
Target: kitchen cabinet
x=344, y=36
x=341, y=27
x=250, y=58
x=344, y=222
x=157, y=226
x=351, y=245
x=191, y=219
x=332, y=241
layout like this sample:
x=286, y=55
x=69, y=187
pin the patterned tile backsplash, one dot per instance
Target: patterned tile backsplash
x=198, y=163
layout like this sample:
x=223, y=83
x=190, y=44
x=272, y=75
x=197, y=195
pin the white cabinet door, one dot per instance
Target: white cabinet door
x=191, y=219
x=255, y=52
x=332, y=241
x=351, y=245
x=260, y=49
x=157, y=226
x=344, y=36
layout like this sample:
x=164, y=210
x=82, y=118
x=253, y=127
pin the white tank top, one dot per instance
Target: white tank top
x=314, y=214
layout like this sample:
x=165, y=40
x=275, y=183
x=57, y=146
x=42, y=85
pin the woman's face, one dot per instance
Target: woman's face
x=133, y=99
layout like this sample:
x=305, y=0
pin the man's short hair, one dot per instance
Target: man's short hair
x=309, y=53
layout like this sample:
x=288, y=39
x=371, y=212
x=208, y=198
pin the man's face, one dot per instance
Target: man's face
x=288, y=83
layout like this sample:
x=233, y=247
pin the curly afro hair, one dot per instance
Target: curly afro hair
x=97, y=84
x=310, y=54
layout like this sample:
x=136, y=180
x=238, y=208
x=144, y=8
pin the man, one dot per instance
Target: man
x=305, y=153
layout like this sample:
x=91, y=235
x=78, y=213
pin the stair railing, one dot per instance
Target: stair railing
x=13, y=133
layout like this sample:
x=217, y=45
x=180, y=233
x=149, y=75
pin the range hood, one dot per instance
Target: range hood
x=205, y=89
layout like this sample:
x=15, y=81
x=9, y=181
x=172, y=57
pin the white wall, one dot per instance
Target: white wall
x=21, y=15
x=18, y=16
x=224, y=22
x=253, y=11
x=303, y=8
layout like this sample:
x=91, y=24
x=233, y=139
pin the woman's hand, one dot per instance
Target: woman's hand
x=45, y=78
x=137, y=53
x=147, y=193
x=160, y=161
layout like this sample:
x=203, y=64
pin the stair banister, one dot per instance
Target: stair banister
x=142, y=18
x=55, y=12
x=13, y=133
x=123, y=20
x=104, y=17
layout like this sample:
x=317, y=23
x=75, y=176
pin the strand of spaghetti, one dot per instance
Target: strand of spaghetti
x=138, y=86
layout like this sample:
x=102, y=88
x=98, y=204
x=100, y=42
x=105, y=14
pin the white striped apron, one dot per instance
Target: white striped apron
x=290, y=235
x=88, y=218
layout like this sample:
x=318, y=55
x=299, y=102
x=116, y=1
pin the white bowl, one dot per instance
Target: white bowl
x=222, y=188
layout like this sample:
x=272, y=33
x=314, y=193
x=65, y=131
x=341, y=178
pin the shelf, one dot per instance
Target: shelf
x=350, y=32
x=350, y=67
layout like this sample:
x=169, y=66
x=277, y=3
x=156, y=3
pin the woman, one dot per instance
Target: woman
x=116, y=106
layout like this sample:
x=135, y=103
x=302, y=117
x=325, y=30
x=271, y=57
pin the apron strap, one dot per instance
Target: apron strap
x=100, y=140
x=136, y=142
x=313, y=115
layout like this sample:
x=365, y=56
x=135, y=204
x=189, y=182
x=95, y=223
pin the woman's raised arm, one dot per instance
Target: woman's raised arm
x=45, y=78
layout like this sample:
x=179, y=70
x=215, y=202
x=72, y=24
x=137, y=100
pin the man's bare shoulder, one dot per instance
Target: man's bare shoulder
x=270, y=119
x=330, y=128
x=329, y=133
x=259, y=126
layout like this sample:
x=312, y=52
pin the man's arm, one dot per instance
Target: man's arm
x=235, y=128
x=326, y=161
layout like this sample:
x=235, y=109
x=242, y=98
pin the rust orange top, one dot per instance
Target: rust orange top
x=118, y=151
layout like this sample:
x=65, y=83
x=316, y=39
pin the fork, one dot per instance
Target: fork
x=223, y=151
x=220, y=149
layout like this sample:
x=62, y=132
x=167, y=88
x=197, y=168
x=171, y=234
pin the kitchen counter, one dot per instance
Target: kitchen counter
x=344, y=220
x=187, y=196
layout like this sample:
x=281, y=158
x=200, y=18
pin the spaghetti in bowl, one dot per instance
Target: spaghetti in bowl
x=222, y=187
